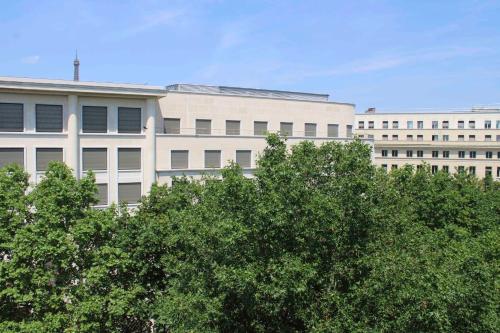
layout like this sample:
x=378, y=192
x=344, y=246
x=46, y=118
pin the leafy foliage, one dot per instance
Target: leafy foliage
x=319, y=240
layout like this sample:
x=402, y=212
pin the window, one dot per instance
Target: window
x=129, y=120
x=435, y=153
x=461, y=154
x=94, y=159
x=446, y=137
x=472, y=138
x=348, y=131
x=420, y=124
x=488, y=171
x=445, y=168
x=94, y=119
x=498, y=138
x=260, y=127
x=244, y=158
x=46, y=155
x=419, y=167
x=102, y=194
x=384, y=153
x=446, y=154
x=489, y=154
x=384, y=166
x=212, y=159
x=435, y=124
x=409, y=124
x=472, y=170
x=385, y=124
x=333, y=130
x=461, y=169
x=129, y=192
x=487, y=138
x=203, y=126
x=172, y=126
x=394, y=153
x=487, y=124
x=286, y=129
x=434, y=169
x=409, y=153
x=446, y=124
x=49, y=118
x=129, y=158
x=461, y=124
x=435, y=137
x=498, y=124
x=179, y=159
x=11, y=156
x=394, y=166
x=361, y=124
x=472, y=154
x=395, y=124
x=498, y=171
x=420, y=138
x=371, y=124
x=11, y=117
x=472, y=124
x=461, y=138
x=498, y=155
x=232, y=127
x=310, y=129
x=370, y=136
x=409, y=137
x=395, y=137
x=385, y=137
x=420, y=153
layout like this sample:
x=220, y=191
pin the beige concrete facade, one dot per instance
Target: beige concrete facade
x=449, y=140
x=183, y=102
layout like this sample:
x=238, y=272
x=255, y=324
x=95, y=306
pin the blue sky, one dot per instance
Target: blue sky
x=393, y=55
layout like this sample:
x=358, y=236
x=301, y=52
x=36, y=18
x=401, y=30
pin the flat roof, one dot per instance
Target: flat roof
x=437, y=112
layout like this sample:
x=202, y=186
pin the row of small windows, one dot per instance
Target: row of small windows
x=49, y=118
x=488, y=171
x=233, y=127
x=445, y=124
x=436, y=137
x=436, y=153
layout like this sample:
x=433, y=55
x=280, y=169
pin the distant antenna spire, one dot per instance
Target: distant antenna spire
x=76, y=66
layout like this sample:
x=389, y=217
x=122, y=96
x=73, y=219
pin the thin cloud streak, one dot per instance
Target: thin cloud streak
x=30, y=60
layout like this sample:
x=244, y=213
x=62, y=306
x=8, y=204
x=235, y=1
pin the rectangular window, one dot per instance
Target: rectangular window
x=310, y=129
x=371, y=124
x=409, y=137
x=244, y=158
x=395, y=137
x=435, y=137
x=498, y=155
x=446, y=137
x=461, y=154
x=498, y=138
x=370, y=136
x=46, y=155
x=472, y=124
x=498, y=171
x=420, y=153
x=260, y=127
x=203, y=126
x=94, y=159
x=286, y=129
x=385, y=137
x=394, y=166
x=384, y=153
x=395, y=124
x=94, y=119
x=394, y=153
x=212, y=159
x=498, y=124
x=384, y=166
x=348, y=131
x=172, y=126
x=461, y=169
x=472, y=154
x=11, y=156
x=445, y=168
x=461, y=124
x=488, y=171
x=472, y=170
x=409, y=124
x=361, y=124
x=232, y=127
x=420, y=138
x=487, y=138
x=49, y=118
x=409, y=153
x=129, y=158
x=179, y=159
x=385, y=124
x=102, y=194
x=472, y=138
x=435, y=153
x=434, y=169
x=487, y=124
x=420, y=124
x=461, y=138
x=446, y=124
x=435, y=124
x=446, y=154
x=129, y=192
x=11, y=117
x=129, y=120
x=489, y=154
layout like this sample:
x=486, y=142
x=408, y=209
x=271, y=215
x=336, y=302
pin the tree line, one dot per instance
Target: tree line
x=319, y=240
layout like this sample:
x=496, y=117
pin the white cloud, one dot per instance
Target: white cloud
x=30, y=60
x=164, y=17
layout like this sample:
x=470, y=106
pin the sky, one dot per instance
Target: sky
x=393, y=55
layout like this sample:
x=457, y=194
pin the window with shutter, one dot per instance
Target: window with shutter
x=172, y=125
x=286, y=129
x=129, y=120
x=94, y=119
x=179, y=159
x=129, y=192
x=232, y=127
x=45, y=155
x=11, y=117
x=49, y=118
x=244, y=158
x=11, y=156
x=212, y=159
x=333, y=130
x=203, y=126
x=102, y=194
x=129, y=158
x=310, y=129
x=94, y=159
x=259, y=127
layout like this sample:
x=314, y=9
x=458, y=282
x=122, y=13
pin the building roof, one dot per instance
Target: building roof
x=247, y=92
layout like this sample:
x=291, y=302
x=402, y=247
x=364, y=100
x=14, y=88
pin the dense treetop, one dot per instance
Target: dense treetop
x=319, y=240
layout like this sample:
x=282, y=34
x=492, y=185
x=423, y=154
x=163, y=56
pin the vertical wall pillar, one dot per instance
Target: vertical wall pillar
x=149, y=153
x=72, y=153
